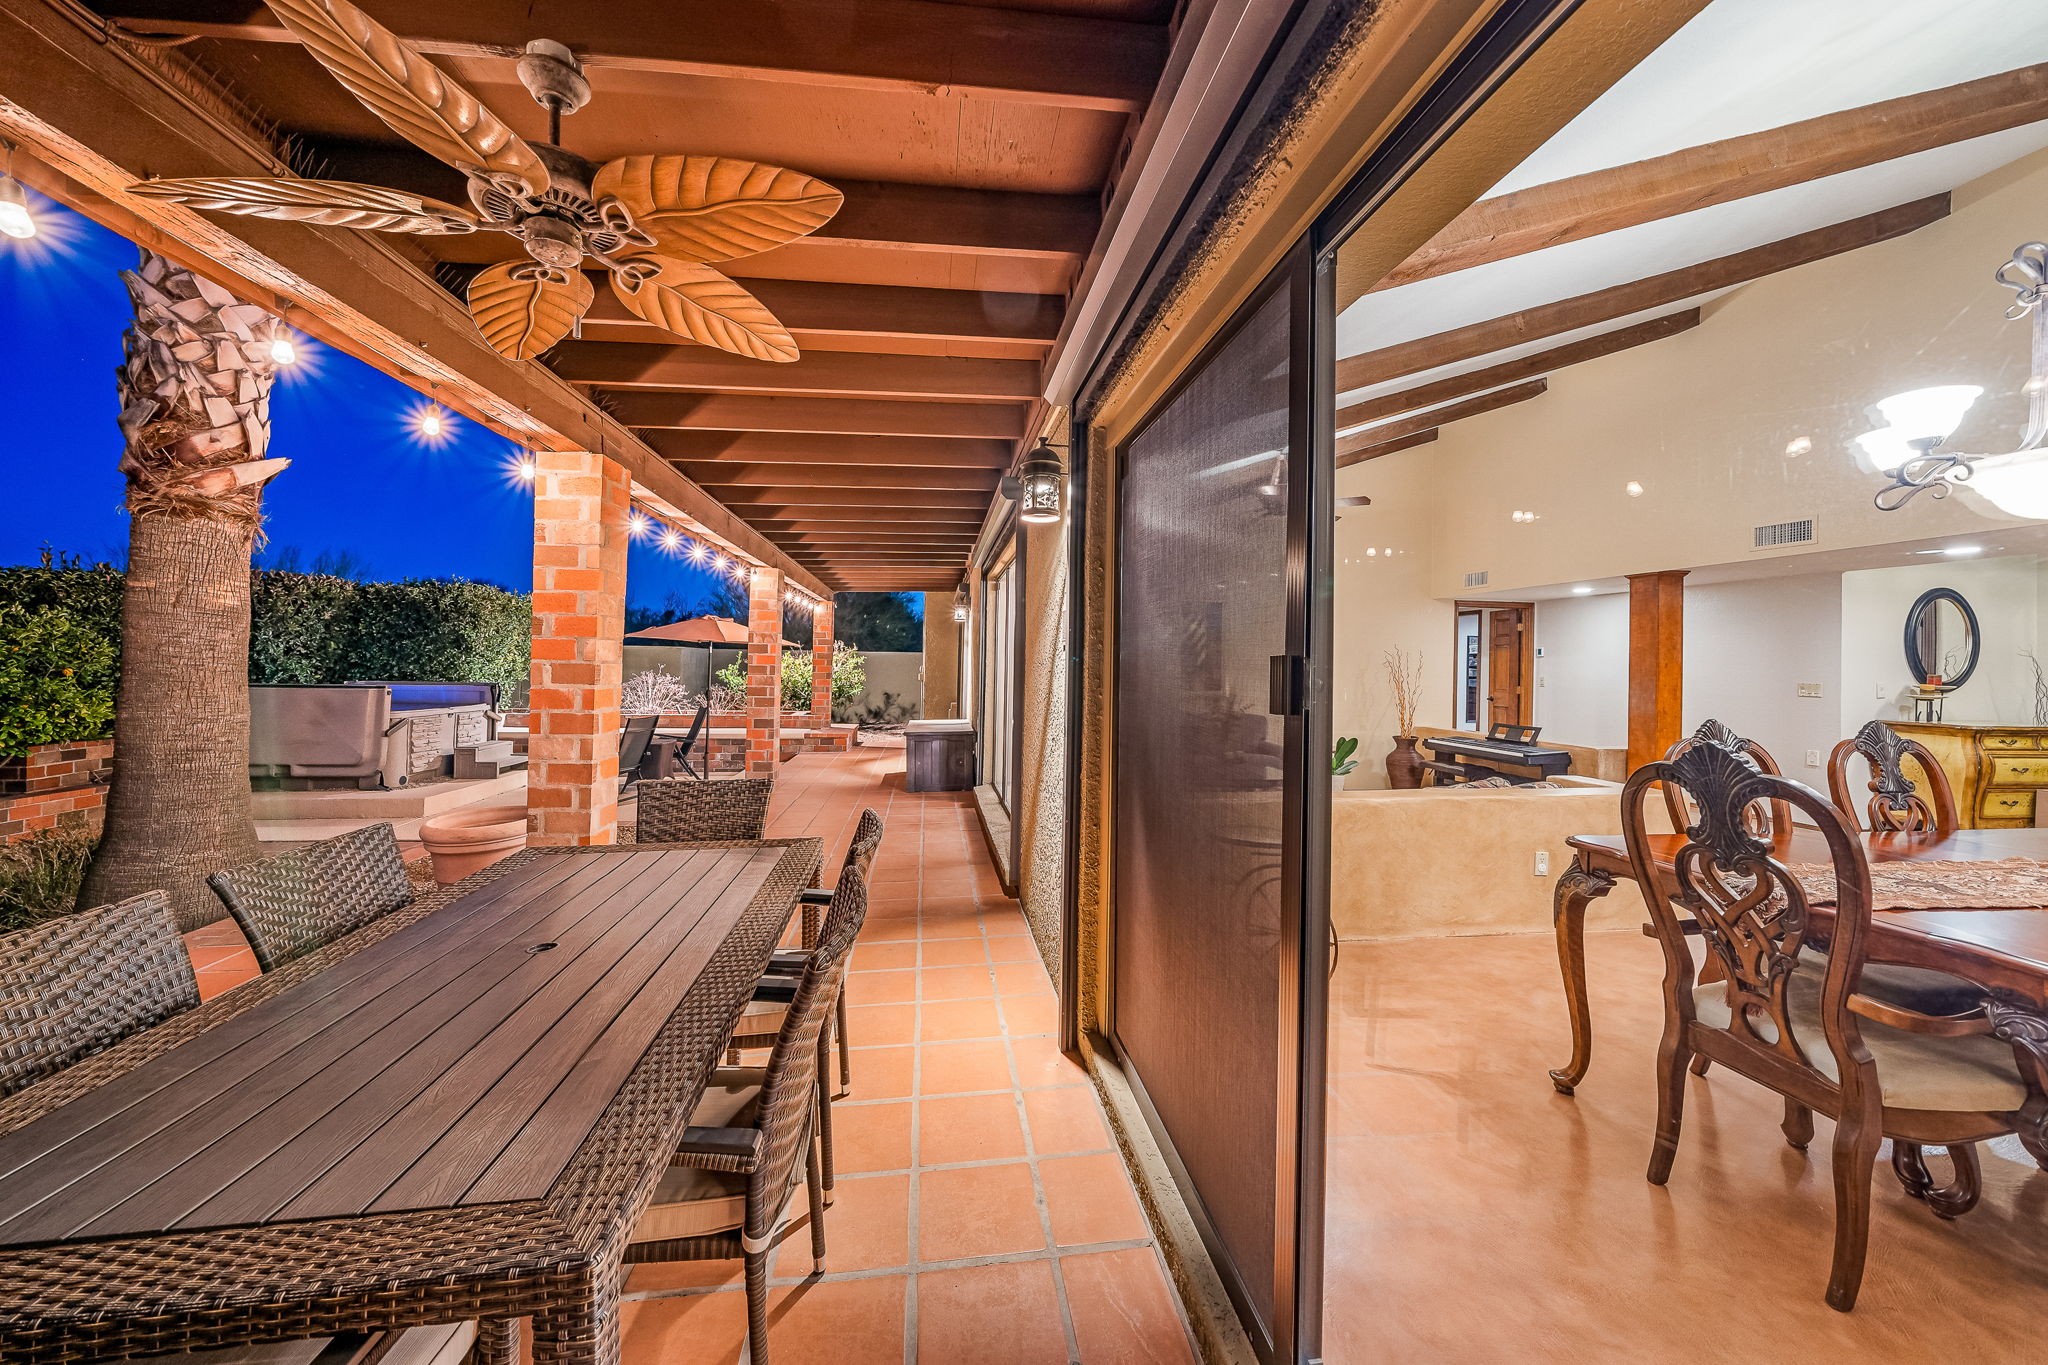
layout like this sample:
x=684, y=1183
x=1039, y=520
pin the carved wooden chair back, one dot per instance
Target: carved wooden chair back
x=1763, y=818
x=1896, y=803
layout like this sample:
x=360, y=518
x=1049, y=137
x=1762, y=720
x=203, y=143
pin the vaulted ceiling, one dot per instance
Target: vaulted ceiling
x=974, y=144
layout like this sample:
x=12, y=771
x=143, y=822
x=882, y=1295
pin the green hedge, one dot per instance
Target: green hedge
x=56, y=679
x=429, y=630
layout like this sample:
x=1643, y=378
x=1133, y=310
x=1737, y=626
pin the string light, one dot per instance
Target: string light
x=15, y=219
x=670, y=538
x=431, y=423
x=697, y=551
x=525, y=469
x=637, y=525
x=282, y=352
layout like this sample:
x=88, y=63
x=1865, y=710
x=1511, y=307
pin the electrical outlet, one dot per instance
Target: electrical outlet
x=1883, y=692
x=1813, y=758
x=1543, y=862
x=1809, y=689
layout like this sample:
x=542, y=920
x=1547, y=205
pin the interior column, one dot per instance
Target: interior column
x=581, y=501
x=764, y=672
x=1656, y=664
x=821, y=666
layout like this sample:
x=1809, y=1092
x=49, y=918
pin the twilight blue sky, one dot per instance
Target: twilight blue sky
x=360, y=481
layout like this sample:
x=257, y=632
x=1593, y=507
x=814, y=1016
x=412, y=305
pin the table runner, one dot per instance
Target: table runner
x=2007, y=884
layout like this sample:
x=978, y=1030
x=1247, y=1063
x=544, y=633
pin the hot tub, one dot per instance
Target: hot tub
x=369, y=734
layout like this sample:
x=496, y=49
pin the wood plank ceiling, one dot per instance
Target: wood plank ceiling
x=974, y=143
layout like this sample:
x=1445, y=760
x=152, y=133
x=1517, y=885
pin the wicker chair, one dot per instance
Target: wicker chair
x=681, y=810
x=753, y=1135
x=79, y=984
x=307, y=898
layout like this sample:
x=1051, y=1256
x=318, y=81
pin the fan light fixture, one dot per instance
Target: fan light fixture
x=15, y=219
x=1039, y=487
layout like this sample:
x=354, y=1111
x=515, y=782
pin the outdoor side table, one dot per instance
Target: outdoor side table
x=938, y=756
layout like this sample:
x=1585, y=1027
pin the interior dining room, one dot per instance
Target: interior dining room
x=1691, y=532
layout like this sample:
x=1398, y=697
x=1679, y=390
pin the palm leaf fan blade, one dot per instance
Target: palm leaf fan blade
x=522, y=309
x=699, y=303
x=417, y=99
x=713, y=208
x=327, y=203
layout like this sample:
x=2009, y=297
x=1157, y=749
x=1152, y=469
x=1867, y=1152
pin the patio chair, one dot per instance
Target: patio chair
x=753, y=1136
x=682, y=810
x=635, y=734
x=441, y=1343
x=81, y=983
x=1790, y=1010
x=305, y=899
x=690, y=738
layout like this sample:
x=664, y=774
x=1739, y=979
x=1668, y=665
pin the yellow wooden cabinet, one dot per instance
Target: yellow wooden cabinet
x=1996, y=770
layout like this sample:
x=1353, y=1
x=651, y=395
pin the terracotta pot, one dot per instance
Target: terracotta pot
x=1404, y=765
x=462, y=841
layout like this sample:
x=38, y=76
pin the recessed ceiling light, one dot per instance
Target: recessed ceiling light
x=1633, y=489
x=1583, y=590
x=1962, y=551
x=1798, y=446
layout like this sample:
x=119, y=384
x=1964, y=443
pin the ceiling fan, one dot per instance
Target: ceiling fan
x=652, y=221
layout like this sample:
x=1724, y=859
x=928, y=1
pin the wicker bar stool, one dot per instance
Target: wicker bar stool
x=753, y=1136
x=305, y=899
x=79, y=984
x=682, y=810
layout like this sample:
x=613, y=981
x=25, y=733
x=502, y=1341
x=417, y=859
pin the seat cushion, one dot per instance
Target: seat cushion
x=1914, y=1071
x=693, y=1203
x=761, y=1018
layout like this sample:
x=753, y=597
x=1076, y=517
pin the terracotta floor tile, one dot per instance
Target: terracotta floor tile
x=950, y=1020
x=690, y=1329
x=951, y=905
x=885, y=929
x=871, y=1137
x=883, y=956
x=847, y=1322
x=977, y=1211
x=952, y=1068
x=1090, y=1200
x=1065, y=1120
x=957, y=924
x=1006, y=919
x=990, y=1315
x=955, y=983
x=1022, y=978
x=1040, y=1062
x=1031, y=1014
x=880, y=988
x=654, y=1275
x=953, y=1128
x=1124, y=1310
x=954, y=952
x=952, y=884
x=867, y=1227
x=882, y=1073
x=881, y=1025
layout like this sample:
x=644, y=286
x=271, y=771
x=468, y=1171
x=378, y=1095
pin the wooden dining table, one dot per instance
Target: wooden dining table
x=457, y=1112
x=2005, y=952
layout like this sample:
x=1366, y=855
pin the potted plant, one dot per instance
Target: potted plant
x=1404, y=679
x=1342, y=764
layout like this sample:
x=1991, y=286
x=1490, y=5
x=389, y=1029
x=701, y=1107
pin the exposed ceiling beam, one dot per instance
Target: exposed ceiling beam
x=1403, y=427
x=845, y=416
x=1620, y=197
x=1636, y=296
x=771, y=521
x=792, y=541
x=816, y=374
x=779, y=447
x=727, y=473
x=1509, y=372
x=929, y=525
x=1373, y=452
x=741, y=498
x=97, y=114
x=912, y=46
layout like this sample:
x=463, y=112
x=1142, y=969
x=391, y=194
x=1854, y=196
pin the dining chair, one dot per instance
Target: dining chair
x=305, y=899
x=681, y=810
x=635, y=734
x=1790, y=1011
x=754, y=1135
x=1896, y=804
x=1761, y=819
x=80, y=983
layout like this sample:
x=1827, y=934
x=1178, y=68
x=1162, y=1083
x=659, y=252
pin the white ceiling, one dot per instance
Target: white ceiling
x=1741, y=66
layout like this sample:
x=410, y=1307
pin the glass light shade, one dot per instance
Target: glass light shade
x=15, y=219
x=1921, y=414
x=1042, y=497
x=1885, y=449
x=2016, y=484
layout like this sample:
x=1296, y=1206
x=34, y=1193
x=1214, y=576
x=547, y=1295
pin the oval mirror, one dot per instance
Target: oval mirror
x=1941, y=638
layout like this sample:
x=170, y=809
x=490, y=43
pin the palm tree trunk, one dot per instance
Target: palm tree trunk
x=195, y=390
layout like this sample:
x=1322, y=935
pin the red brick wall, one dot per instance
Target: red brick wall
x=821, y=665
x=55, y=786
x=580, y=505
x=764, y=672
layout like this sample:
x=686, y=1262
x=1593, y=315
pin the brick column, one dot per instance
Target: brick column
x=821, y=666
x=764, y=672
x=580, y=504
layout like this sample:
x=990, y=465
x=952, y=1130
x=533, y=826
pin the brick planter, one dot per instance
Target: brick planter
x=55, y=786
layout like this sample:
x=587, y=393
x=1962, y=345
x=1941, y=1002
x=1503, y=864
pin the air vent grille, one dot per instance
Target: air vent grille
x=1476, y=580
x=1784, y=533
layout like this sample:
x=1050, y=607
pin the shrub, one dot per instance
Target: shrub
x=849, y=677
x=56, y=679
x=40, y=877
x=658, y=692
x=427, y=630
x=297, y=627
x=729, y=687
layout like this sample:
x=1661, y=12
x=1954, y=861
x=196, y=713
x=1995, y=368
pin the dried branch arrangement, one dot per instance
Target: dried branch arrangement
x=1404, y=679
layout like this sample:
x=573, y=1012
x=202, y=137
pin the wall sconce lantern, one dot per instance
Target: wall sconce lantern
x=1039, y=487
x=960, y=603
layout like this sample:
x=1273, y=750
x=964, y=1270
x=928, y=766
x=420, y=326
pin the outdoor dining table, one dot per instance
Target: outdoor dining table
x=458, y=1111
x=2003, y=951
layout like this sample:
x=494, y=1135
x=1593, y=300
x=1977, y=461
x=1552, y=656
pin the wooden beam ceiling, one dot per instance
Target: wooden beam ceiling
x=1360, y=454
x=781, y=447
x=1404, y=427
x=726, y=473
x=1618, y=197
x=871, y=314
x=1637, y=296
x=835, y=416
x=622, y=365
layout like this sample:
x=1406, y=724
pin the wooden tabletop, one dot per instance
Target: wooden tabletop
x=2003, y=948
x=459, y=1061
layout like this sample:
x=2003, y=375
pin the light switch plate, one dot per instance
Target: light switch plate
x=1809, y=689
x=1543, y=862
x=1813, y=758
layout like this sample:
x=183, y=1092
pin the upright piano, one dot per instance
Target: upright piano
x=1509, y=751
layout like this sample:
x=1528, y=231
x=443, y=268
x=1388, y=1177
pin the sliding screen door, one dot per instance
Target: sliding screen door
x=1207, y=973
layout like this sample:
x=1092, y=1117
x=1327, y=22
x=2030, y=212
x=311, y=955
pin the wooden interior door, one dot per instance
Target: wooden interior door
x=1507, y=689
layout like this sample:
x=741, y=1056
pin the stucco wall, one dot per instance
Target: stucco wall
x=1042, y=718
x=941, y=689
